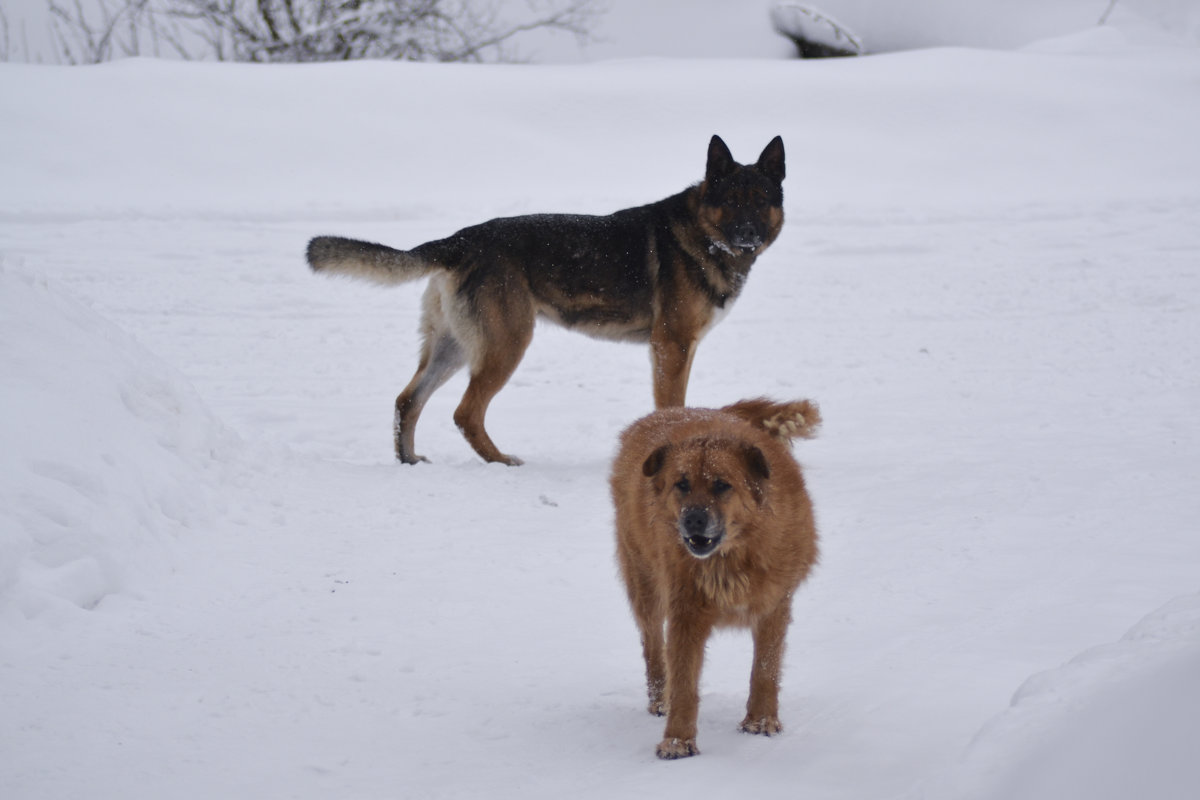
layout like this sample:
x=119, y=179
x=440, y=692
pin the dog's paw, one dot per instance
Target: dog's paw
x=671, y=749
x=766, y=726
x=658, y=708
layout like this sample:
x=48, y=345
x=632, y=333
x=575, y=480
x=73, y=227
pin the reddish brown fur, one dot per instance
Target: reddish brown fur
x=735, y=464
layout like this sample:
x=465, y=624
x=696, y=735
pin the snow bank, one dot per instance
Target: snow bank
x=1119, y=721
x=742, y=28
x=892, y=25
x=105, y=454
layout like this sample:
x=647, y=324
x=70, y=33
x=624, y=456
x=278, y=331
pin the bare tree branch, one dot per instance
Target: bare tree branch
x=89, y=38
x=328, y=30
x=4, y=45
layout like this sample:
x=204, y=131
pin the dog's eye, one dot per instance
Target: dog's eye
x=720, y=487
x=683, y=485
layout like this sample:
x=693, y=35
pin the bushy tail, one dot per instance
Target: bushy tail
x=358, y=259
x=785, y=421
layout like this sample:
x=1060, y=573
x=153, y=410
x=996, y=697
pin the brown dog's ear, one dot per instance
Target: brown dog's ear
x=720, y=160
x=654, y=462
x=770, y=163
x=757, y=470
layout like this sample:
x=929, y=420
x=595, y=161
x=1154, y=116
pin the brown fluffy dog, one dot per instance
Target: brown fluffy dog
x=714, y=528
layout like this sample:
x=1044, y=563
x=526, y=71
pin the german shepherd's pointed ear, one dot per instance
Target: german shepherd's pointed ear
x=770, y=163
x=720, y=160
x=757, y=470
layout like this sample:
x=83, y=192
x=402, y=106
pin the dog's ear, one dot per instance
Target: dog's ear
x=770, y=163
x=757, y=470
x=720, y=160
x=654, y=462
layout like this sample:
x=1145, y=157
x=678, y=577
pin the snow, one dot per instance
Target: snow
x=742, y=28
x=1117, y=721
x=214, y=581
x=892, y=25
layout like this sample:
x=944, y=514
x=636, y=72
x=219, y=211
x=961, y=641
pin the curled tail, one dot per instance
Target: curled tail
x=373, y=262
x=784, y=421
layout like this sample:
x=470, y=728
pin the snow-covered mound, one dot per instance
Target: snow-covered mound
x=108, y=454
x=1119, y=721
x=805, y=23
x=743, y=28
x=892, y=25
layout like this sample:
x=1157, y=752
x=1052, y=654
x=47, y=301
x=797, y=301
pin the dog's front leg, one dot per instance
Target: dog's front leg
x=686, y=635
x=671, y=358
x=762, y=709
x=656, y=678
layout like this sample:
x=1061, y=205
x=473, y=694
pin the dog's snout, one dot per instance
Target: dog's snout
x=700, y=530
x=746, y=235
x=695, y=521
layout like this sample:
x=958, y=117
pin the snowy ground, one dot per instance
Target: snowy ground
x=214, y=581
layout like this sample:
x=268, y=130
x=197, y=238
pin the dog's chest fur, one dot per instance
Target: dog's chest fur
x=725, y=582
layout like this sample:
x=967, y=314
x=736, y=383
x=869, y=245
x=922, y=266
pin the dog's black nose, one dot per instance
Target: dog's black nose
x=695, y=521
x=745, y=235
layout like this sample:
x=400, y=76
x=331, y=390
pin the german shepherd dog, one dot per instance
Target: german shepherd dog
x=714, y=528
x=662, y=273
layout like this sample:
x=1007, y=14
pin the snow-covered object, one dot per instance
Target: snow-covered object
x=1117, y=721
x=108, y=456
x=804, y=23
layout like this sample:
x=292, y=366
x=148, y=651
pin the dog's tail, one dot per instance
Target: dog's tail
x=374, y=262
x=785, y=421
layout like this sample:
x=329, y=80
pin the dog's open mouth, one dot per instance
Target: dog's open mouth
x=735, y=247
x=702, y=546
x=701, y=531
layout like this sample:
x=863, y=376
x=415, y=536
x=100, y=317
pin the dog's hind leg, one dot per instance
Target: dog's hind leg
x=762, y=709
x=470, y=413
x=440, y=359
x=505, y=331
x=442, y=355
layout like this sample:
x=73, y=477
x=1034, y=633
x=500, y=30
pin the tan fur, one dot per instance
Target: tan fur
x=731, y=469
